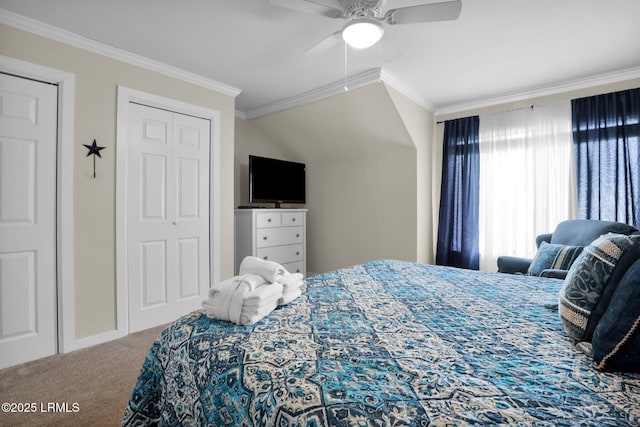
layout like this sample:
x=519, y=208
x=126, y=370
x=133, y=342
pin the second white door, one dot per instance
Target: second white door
x=167, y=215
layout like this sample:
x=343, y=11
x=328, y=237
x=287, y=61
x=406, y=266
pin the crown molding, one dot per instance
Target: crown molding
x=54, y=33
x=407, y=91
x=323, y=92
x=241, y=115
x=601, y=79
x=373, y=75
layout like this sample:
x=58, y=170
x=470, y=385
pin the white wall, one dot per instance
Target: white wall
x=419, y=123
x=362, y=208
x=251, y=141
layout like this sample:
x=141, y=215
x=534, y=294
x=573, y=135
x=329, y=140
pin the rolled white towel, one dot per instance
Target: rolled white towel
x=271, y=271
x=291, y=279
x=292, y=284
x=251, y=281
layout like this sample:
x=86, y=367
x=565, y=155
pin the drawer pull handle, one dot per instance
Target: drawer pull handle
x=293, y=219
x=264, y=257
x=268, y=219
x=264, y=238
x=298, y=235
x=297, y=253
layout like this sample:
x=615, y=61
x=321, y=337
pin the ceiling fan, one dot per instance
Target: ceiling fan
x=365, y=17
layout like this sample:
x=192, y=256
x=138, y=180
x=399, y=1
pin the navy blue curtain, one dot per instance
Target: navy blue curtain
x=606, y=136
x=459, y=195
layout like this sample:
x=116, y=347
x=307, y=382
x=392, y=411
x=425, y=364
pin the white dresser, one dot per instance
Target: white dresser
x=273, y=234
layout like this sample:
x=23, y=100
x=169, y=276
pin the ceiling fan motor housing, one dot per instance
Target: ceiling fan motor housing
x=362, y=9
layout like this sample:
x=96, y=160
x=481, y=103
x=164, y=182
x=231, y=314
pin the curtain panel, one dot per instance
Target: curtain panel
x=457, y=244
x=527, y=180
x=606, y=135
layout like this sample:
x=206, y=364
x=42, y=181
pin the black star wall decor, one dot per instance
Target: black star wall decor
x=94, y=150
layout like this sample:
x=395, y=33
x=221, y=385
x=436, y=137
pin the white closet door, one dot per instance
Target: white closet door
x=168, y=215
x=28, y=129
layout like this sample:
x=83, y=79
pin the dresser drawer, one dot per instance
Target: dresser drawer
x=292, y=219
x=268, y=219
x=295, y=267
x=282, y=254
x=267, y=237
x=278, y=235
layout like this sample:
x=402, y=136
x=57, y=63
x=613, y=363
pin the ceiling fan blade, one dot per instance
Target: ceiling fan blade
x=325, y=44
x=311, y=6
x=445, y=11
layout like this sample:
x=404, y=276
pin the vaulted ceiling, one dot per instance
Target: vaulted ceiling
x=495, y=48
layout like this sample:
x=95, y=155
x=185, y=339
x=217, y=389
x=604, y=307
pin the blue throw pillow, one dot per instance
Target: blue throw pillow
x=554, y=256
x=587, y=279
x=616, y=339
x=627, y=260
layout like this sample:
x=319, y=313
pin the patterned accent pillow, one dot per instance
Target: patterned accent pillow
x=630, y=256
x=616, y=339
x=555, y=256
x=586, y=280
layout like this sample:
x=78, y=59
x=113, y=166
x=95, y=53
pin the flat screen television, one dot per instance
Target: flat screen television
x=276, y=181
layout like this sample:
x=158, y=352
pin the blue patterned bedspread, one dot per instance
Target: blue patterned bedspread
x=386, y=343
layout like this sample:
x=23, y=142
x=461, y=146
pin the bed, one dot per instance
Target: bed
x=385, y=343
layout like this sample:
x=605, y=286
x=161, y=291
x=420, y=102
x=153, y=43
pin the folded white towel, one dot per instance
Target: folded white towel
x=259, y=303
x=226, y=298
x=249, y=317
x=210, y=308
x=259, y=288
x=263, y=295
x=220, y=296
x=289, y=296
x=243, y=300
x=249, y=306
x=271, y=271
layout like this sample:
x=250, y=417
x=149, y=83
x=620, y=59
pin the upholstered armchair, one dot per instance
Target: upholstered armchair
x=575, y=233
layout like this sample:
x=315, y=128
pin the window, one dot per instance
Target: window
x=527, y=179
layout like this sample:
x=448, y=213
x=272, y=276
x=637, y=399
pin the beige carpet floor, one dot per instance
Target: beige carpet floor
x=93, y=385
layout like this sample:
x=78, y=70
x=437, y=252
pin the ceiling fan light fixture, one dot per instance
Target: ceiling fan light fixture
x=362, y=33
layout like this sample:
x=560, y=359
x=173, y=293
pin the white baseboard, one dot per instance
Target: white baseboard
x=94, y=340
